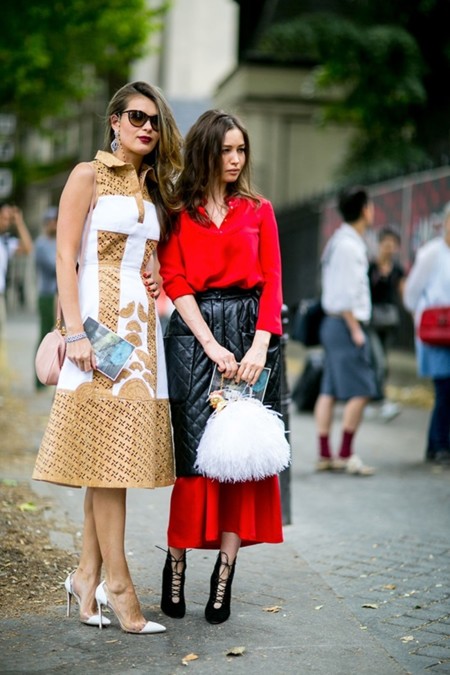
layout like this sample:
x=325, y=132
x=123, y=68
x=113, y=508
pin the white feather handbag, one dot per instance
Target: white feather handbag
x=244, y=440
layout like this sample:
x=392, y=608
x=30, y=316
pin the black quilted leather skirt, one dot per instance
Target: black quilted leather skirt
x=231, y=315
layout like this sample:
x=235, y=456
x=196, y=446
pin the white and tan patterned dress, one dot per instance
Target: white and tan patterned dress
x=103, y=433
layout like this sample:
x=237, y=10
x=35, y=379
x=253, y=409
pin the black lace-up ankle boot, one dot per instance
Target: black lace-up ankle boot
x=173, y=577
x=217, y=609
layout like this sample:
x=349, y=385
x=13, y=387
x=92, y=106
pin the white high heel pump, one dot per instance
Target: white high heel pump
x=102, y=601
x=95, y=619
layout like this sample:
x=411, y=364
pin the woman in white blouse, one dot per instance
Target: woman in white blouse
x=428, y=285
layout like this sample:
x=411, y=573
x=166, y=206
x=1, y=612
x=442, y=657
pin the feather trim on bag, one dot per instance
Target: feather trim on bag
x=243, y=441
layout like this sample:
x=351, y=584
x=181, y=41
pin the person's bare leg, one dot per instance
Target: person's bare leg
x=218, y=607
x=323, y=413
x=177, y=552
x=353, y=412
x=230, y=544
x=109, y=505
x=87, y=575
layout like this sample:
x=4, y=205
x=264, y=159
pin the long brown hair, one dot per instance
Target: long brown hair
x=203, y=162
x=165, y=158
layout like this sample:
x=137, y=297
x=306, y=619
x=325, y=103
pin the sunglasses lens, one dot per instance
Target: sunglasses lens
x=139, y=118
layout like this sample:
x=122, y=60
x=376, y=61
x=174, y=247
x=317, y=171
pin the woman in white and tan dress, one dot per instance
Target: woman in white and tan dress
x=103, y=435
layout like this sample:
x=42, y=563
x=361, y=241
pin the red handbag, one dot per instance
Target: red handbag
x=434, y=327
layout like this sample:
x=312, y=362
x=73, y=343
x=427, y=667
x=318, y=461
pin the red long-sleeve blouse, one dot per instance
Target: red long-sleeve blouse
x=243, y=252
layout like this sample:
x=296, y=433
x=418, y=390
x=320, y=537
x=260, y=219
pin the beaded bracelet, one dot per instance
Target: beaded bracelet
x=75, y=337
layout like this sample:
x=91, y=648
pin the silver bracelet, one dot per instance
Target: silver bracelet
x=75, y=337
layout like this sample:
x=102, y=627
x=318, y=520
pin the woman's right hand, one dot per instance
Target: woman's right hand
x=358, y=336
x=225, y=360
x=81, y=354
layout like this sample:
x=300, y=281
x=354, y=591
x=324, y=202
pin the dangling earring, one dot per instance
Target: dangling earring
x=115, y=142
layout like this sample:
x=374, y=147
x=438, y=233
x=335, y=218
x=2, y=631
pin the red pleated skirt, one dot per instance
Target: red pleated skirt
x=201, y=509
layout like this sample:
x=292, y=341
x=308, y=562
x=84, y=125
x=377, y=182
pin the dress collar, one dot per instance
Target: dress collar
x=111, y=161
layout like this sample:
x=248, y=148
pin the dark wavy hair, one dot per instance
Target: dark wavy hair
x=165, y=158
x=203, y=162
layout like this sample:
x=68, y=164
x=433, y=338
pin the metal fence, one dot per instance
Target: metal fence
x=411, y=204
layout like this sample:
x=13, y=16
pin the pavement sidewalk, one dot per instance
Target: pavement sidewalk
x=296, y=607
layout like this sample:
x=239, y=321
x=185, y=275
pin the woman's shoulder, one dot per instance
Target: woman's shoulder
x=81, y=179
x=430, y=249
x=83, y=171
x=256, y=204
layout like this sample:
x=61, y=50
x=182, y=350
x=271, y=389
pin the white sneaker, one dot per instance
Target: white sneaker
x=353, y=465
x=389, y=410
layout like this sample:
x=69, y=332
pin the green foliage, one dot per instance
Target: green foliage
x=376, y=57
x=52, y=52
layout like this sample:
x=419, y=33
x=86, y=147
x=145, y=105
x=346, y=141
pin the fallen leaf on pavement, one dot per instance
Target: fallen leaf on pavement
x=370, y=605
x=273, y=610
x=189, y=657
x=28, y=506
x=236, y=651
x=407, y=638
x=390, y=587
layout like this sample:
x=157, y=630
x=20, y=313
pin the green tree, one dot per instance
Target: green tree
x=51, y=53
x=391, y=73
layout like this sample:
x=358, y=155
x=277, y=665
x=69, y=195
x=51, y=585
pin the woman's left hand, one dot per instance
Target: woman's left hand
x=251, y=365
x=151, y=285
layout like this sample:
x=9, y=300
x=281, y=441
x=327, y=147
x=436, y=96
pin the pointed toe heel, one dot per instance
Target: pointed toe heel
x=102, y=601
x=95, y=619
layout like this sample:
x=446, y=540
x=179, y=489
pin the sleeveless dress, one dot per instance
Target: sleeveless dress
x=103, y=433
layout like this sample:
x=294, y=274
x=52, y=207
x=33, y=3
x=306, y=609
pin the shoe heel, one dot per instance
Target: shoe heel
x=68, y=587
x=101, y=599
x=100, y=614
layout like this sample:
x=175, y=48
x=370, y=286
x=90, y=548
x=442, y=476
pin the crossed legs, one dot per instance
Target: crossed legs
x=104, y=542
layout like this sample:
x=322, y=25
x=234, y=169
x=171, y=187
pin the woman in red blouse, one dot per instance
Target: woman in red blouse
x=221, y=268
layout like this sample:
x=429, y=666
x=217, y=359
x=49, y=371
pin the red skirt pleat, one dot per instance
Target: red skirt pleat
x=201, y=509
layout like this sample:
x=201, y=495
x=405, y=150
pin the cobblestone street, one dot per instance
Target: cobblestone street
x=382, y=543
x=361, y=584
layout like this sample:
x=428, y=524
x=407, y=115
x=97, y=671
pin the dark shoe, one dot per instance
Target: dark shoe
x=442, y=457
x=220, y=593
x=173, y=578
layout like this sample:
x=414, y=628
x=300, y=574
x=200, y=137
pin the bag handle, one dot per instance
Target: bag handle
x=84, y=240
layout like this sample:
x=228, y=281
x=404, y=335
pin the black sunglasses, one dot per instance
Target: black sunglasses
x=138, y=118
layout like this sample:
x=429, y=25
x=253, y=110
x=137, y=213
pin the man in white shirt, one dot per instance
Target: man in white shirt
x=11, y=219
x=348, y=372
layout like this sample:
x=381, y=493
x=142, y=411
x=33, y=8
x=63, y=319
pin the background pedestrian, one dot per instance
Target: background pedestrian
x=428, y=285
x=348, y=372
x=14, y=239
x=45, y=261
x=386, y=278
